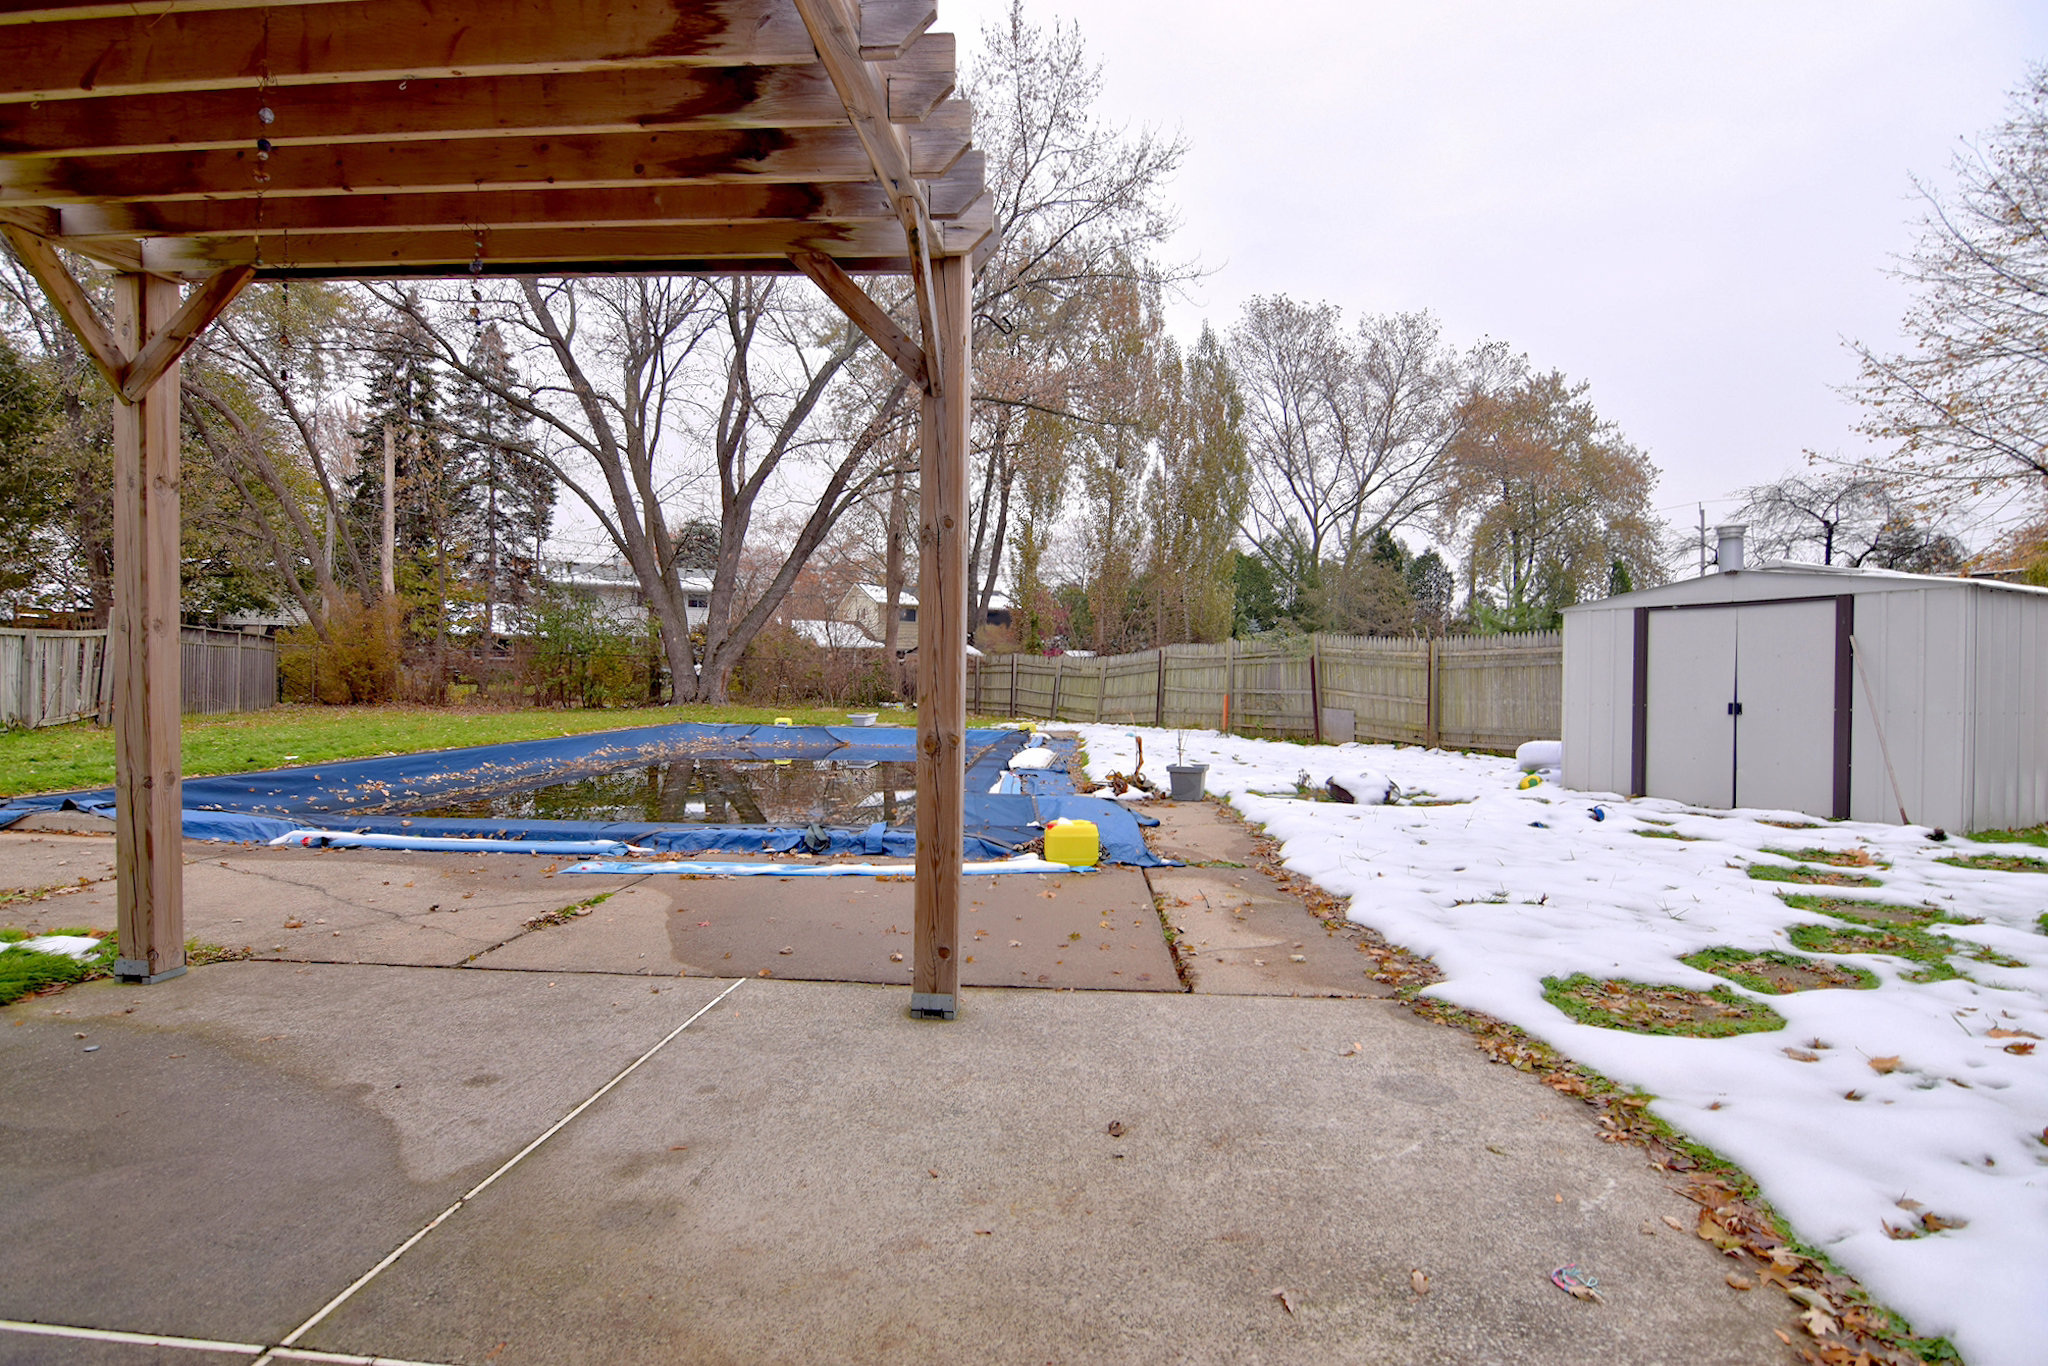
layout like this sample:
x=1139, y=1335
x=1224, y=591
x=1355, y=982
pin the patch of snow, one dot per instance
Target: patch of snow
x=1503, y=886
x=76, y=946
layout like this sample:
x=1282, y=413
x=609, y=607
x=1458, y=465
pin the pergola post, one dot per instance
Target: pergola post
x=942, y=647
x=144, y=649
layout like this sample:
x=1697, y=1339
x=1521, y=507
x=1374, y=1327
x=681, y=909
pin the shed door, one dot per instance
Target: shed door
x=1785, y=683
x=1689, y=739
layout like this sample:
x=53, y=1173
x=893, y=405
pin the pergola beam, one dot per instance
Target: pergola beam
x=889, y=154
x=280, y=46
x=637, y=99
x=595, y=159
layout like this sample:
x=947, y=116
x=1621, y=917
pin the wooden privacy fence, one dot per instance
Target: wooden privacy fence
x=50, y=677
x=1461, y=692
x=226, y=670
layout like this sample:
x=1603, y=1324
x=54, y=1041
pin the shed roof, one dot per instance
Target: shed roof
x=1790, y=578
x=350, y=138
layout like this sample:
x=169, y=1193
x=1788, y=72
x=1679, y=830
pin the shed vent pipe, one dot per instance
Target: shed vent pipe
x=1729, y=554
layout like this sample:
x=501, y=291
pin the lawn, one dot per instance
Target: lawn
x=68, y=758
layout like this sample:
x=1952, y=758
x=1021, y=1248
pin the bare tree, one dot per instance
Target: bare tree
x=1838, y=514
x=648, y=392
x=1968, y=406
x=1348, y=432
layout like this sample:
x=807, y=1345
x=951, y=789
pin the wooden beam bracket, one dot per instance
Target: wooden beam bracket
x=867, y=315
x=168, y=343
x=70, y=300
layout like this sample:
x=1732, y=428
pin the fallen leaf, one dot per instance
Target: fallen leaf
x=1286, y=1300
x=1674, y=1223
x=1419, y=1281
x=786, y=949
x=295, y=924
x=1116, y=1128
x=1908, y=1203
x=764, y=972
x=1852, y=1095
x=1817, y=1323
x=1351, y=1050
x=1736, y=1282
x=2001, y=1032
x=1934, y=1223
x=895, y=957
x=679, y=1147
x=1800, y=1055
x=2022, y=1049
x=933, y=1172
x=1883, y=1065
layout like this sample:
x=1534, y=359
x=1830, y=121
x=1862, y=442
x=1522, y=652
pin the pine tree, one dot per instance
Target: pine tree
x=511, y=491
x=437, y=521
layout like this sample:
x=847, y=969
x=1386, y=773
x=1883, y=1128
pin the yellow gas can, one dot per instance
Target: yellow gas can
x=1075, y=843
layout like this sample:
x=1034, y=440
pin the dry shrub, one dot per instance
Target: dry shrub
x=358, y=662
x=781, y=666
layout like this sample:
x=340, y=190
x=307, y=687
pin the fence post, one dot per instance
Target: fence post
x=1059, y=669
x=1229, y=681
x=1315, y=683
x=1431, y=676
x=1101, y=685
x=1159, y=701
x=1013, y=687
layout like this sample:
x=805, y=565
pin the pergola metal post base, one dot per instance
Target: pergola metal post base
x=925, y=1005
x=135, y=972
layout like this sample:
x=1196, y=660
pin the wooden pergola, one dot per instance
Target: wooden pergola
x=192, y=146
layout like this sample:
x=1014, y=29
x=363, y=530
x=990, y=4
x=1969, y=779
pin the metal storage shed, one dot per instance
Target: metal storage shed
x=1743, y=688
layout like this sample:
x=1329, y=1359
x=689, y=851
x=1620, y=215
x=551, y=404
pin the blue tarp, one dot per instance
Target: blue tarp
x=371, y=796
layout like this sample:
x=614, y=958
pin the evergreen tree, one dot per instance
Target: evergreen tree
x=436, y=512
x=511, y=491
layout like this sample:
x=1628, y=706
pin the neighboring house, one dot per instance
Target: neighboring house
x=835, y=635
x=614, y=586
x=867, y=604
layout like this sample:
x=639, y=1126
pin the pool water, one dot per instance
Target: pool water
x=715, y=792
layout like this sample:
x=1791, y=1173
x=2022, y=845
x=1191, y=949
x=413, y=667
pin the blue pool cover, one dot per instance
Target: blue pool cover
x=371, y=796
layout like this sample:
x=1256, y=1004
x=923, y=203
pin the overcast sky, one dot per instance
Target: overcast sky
x=1689, y=205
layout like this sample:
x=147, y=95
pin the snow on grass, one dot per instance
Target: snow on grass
x=1504, y=887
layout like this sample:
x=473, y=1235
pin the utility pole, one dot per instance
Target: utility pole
x=1703, y=540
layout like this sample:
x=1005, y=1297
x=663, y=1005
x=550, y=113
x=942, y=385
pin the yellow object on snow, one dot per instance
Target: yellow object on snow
x=1529, y=781
x=1075, y=843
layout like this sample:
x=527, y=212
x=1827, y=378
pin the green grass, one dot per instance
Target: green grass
x=1746, y=969
x=1900, y=941
x=1666, y=835
x=67, y=758
x=1839, y=858
x=1646, y=1008
x=23, y=973
x=2036, y=835
x=1879, y=913
x=1997, y=863
x=1823, y=877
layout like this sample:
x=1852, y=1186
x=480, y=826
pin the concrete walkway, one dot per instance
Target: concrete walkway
x=803, y=1173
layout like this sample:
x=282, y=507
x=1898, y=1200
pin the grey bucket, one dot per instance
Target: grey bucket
x=1188, y=781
